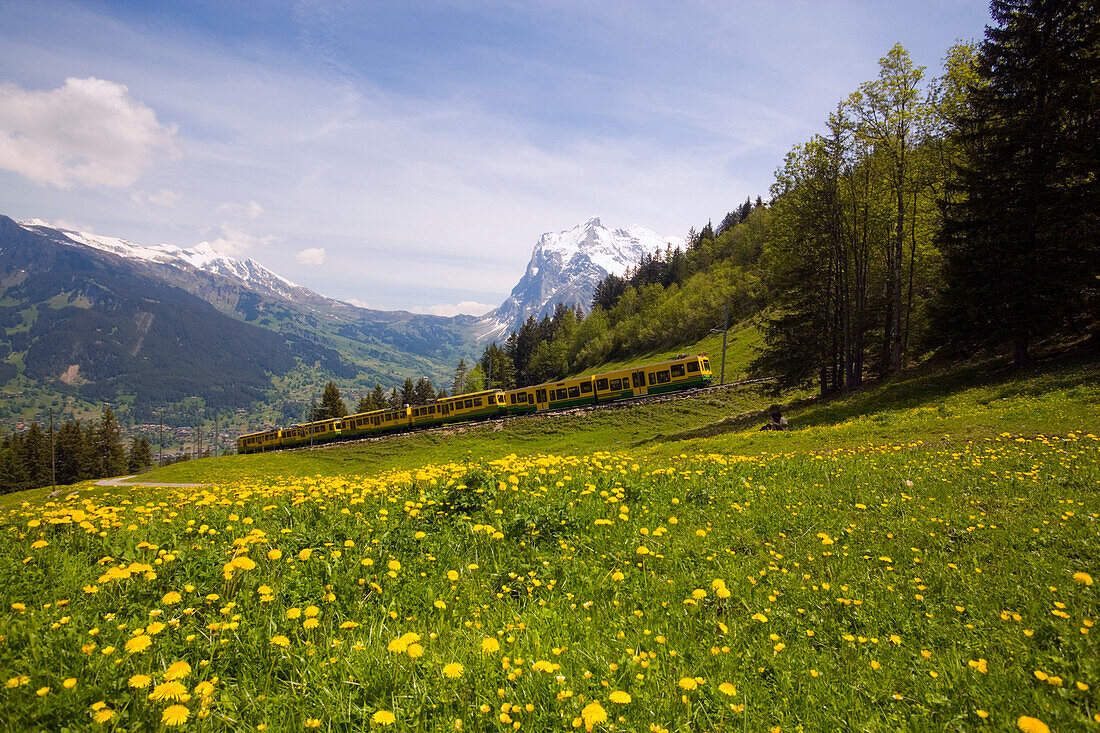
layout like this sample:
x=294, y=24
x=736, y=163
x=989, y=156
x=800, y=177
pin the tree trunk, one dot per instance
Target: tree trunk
x=1021, y=356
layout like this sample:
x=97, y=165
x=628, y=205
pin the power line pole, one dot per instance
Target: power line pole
x=53, y=455
x=312, y=417
x=725, y=330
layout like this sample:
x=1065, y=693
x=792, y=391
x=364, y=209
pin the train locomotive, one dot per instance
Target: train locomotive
x=681, y=373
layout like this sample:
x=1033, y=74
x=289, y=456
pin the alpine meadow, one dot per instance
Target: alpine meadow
x=870, y=503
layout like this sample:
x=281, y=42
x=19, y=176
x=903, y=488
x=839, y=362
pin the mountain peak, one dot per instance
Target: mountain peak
x=565, y=268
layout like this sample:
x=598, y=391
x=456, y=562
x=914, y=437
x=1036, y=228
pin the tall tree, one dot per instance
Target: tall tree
x=332, y=404
x=408, y=392
x=1022, y=238
x=140, y=456
x=458, y=384
x=108, y=450
x=424, y=390
x=73, y=457
x=892, y=116
x=374, y=400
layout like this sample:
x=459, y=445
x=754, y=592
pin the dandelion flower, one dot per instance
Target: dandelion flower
x=175, y=715
x=688, y=683
x=280, y=640
x=138, y=644
x=1028, y=724
x=177, y=671
x=274, y=554
x=140, y=680
x=172, y=690
x=103, y=715
x=70, y=683
x=415, y=651
x=383, y=717
x=43, y=691
x=310, y=623
x=171, y=597
x=727, y=689
x=593, y=714
x=490, y=645
x=453, y=670
x=619, y=697
x=1083, y=578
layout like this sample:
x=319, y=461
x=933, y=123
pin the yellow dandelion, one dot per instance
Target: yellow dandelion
x=688, y=683
x=310, y=623
x=593, y=714
x=1028, y=724
x=43, y=691
x=383, y=717
x=453, y=670
x=280, y=640
x=274, y=554
x=415, y=651
x=727, y=689
x=103, y=715
x=171, y=597
x=490, y=645
x=175, y=715
x=140, y=680
x=138, y=644
x=1083, y=578
x=619, y=697
x=177, y=671
x=172, y=690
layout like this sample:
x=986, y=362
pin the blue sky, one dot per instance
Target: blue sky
x=408, y=154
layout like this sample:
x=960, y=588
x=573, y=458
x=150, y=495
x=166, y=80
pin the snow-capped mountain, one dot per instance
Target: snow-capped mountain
x=565, y=268
x=200, y=257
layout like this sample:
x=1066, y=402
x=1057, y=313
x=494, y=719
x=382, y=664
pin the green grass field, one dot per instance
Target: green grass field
x=919, y=556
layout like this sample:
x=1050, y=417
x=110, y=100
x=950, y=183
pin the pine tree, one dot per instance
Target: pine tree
x=140, y=456
x=108, y=451
x=35, y=455
x=73, y=456
x=393, y=402
x=332, y=405
x=408, y=392
x=424, y=391
x=1023, y=238
x=458, y=385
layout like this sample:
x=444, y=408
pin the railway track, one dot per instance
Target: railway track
x=548, y=414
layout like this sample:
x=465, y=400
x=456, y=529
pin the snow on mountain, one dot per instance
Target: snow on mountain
x=565, y=268
x=201, y=257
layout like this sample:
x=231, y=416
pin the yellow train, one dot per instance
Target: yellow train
x=680, y=373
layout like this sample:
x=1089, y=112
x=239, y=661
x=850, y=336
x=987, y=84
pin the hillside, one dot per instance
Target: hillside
x=918, y=555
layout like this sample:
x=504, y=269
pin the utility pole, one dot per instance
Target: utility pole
x=217, y=435
x=53, y=455
x=161, y=461
x=725, y=330
x=312, y=417
x=489, y=377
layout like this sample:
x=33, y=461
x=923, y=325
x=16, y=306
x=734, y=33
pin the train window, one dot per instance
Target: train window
x=639, y=379
x=652, y=378
x=469, y=403
x=663, y=377
x=523, y=397
x=574, y=392
x=706, y=364
x=540, y=395
x=477, y=402
x=586, y=387
x=601, y=384
x=693, y=366
x=677, y=370
x=431, y=410
x=616, y=384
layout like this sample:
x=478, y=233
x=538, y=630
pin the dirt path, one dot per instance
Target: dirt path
x=118, y=481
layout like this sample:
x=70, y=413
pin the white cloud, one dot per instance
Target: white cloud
x=311, y=257
x=89, y=132
x=164, y=197
x=252, y=209
x=234, y=242
x=467, y=307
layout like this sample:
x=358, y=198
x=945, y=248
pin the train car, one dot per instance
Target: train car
x=519, y=401
x=554, y=395
x=315, y=433
x=474, y=406
x=259, y=441
x=427, y=416
x=682, y=373
x=361, y=424
x=620, y=384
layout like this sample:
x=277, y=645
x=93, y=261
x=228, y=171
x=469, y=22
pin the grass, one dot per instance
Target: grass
x=918, y=556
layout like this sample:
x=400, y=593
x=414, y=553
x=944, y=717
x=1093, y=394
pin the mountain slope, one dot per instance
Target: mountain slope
x=565, y=268
x=385, y=346
x=73, y=317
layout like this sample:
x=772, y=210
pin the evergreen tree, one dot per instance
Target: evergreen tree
x=73, y=457
x=408, y=392
x=503, y=372
x=1022, y=238
x=424, y=391
x=393, y=402
x=332, y=405
x=13, y=474
x=458, y=384
x=108, y=450
x=35, y=454
x=140, y=457
x=375, y=400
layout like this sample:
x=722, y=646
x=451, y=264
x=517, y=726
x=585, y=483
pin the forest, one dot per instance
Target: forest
x=934, y=214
